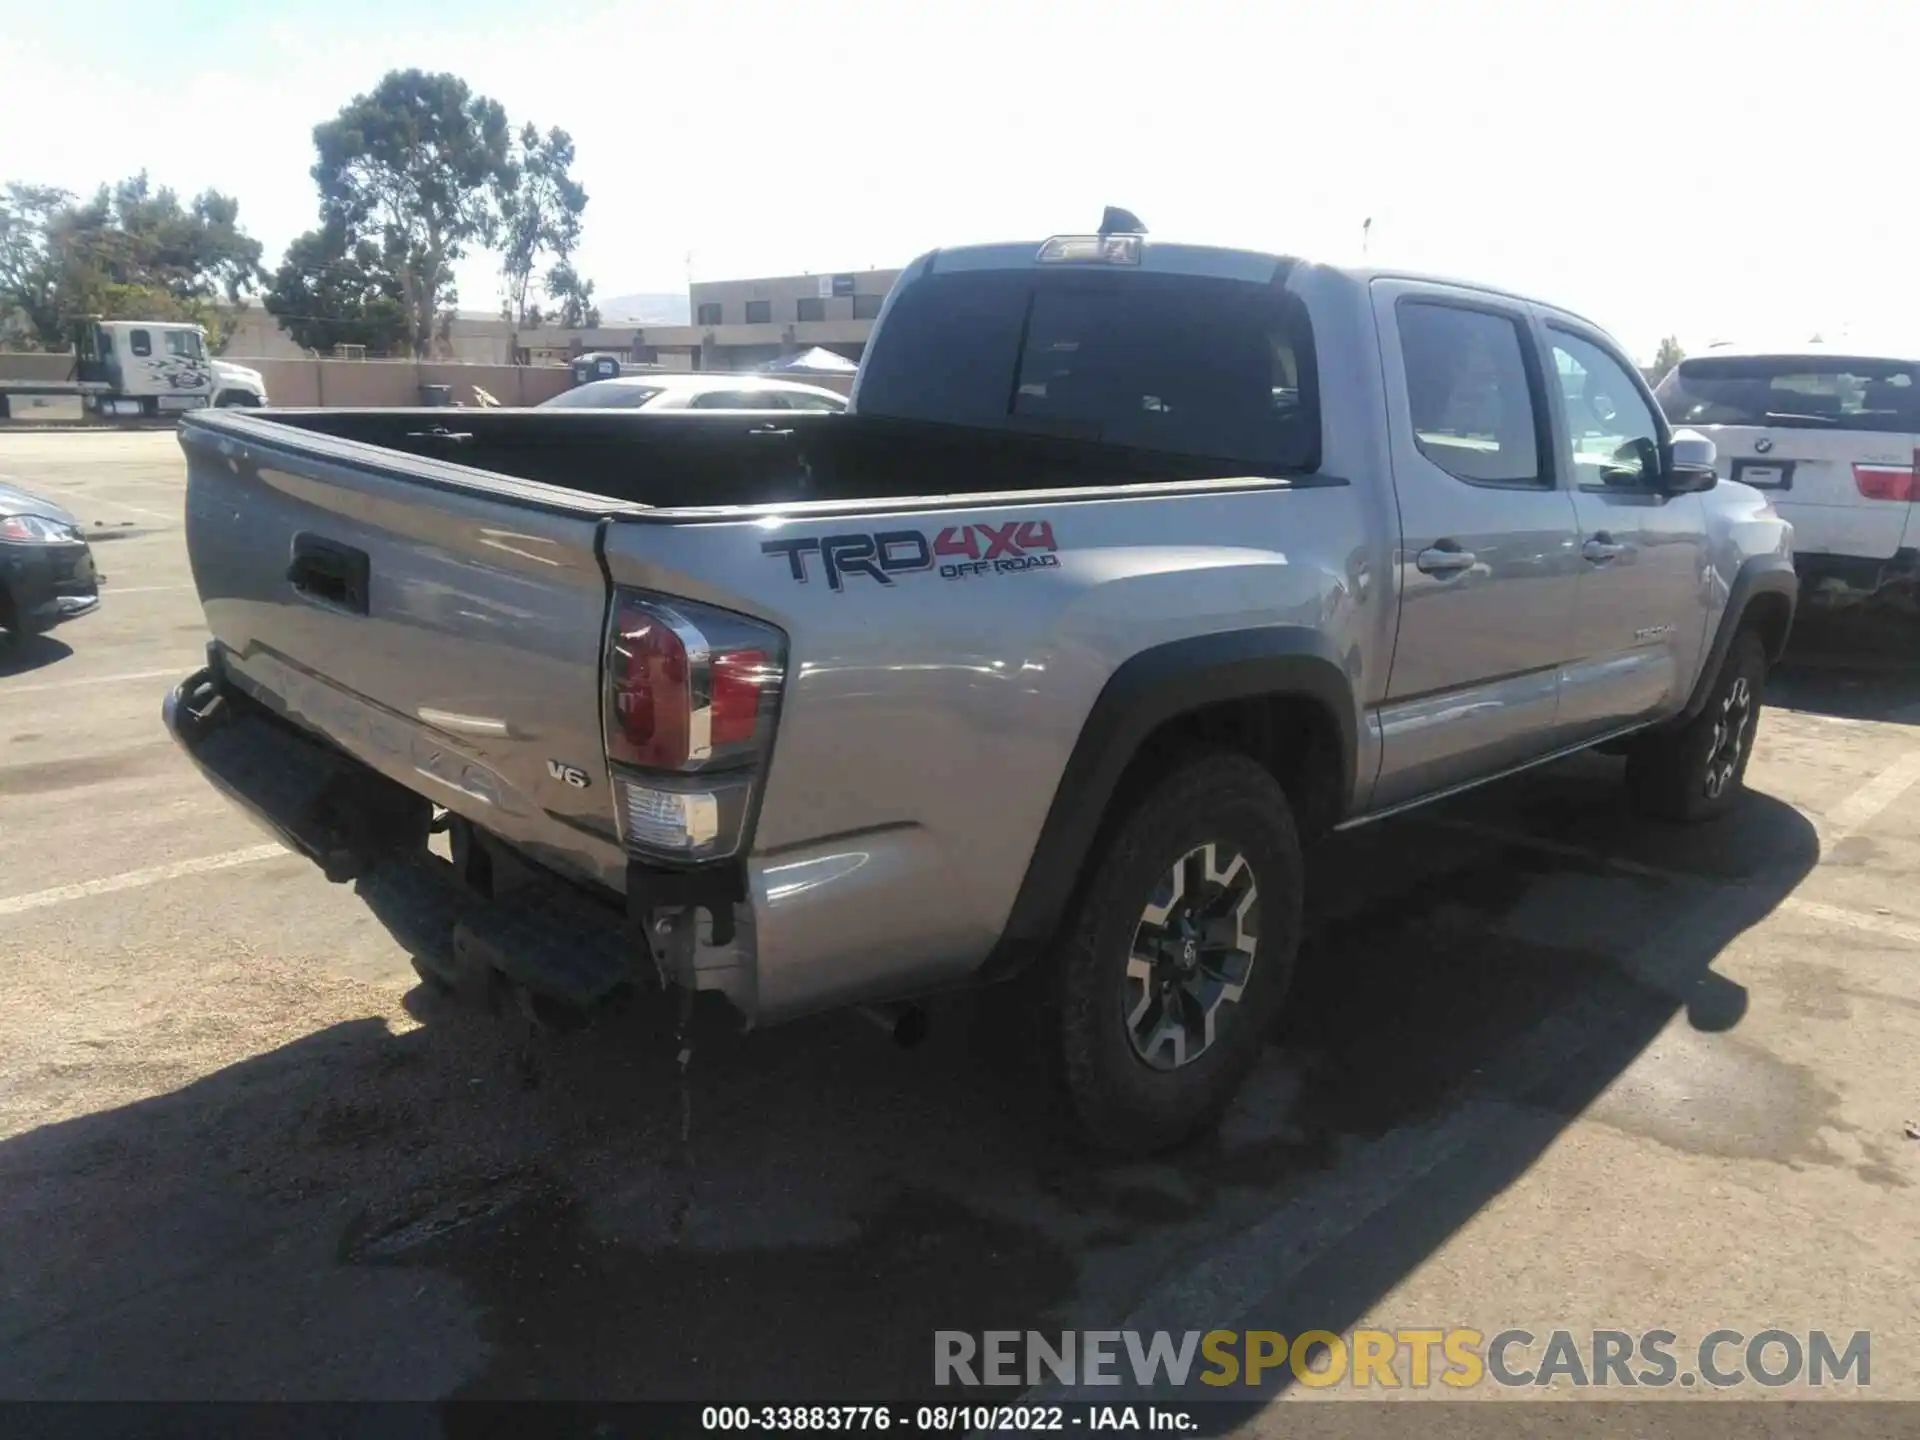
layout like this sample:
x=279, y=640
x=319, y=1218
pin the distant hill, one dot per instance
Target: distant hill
x=645, y=309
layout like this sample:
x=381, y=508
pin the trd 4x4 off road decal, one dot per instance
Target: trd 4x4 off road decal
x=958, y=552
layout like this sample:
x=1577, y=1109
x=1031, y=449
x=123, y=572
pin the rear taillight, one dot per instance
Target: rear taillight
x=692, y=694
x=1885, y=482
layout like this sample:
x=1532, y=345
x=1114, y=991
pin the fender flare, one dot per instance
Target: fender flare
x=1150, y=688
x=1758, y=575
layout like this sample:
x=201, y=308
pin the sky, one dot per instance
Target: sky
x=1702, y=168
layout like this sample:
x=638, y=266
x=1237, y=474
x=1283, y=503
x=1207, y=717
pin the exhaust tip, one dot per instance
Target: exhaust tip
x=908, y=1025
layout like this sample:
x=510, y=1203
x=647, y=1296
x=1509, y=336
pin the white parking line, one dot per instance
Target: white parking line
x=109, y=591
x=1859, y=808
x=5, y=690
x=137, y=879
x=1853, y=919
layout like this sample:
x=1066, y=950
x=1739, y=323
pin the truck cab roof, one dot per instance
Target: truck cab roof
x=1199, y=262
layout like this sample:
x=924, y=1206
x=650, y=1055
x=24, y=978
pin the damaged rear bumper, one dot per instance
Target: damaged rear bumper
x=838, y=922
x=485, y=911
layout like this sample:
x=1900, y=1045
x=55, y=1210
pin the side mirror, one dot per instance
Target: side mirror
x=1691, y=448
x=1635, y=465
x=1689, y=469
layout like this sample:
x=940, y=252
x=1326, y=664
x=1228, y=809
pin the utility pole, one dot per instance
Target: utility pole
x=1366, y=233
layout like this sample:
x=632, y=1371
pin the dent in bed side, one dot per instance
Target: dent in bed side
x=1159, y=687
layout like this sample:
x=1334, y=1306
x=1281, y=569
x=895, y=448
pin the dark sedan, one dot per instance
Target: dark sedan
x=46, y=568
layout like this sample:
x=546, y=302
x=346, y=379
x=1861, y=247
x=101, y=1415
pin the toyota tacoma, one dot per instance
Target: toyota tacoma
x=1132, y=568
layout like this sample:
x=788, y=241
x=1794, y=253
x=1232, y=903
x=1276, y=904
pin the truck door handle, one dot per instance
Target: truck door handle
x=330, y=573
x=769, y=430
x=1602, y=548
x=1446, y=558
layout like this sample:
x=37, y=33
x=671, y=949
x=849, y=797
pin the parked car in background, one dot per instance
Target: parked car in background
x=1829, y=434
x=46, y=566
x=695, y=392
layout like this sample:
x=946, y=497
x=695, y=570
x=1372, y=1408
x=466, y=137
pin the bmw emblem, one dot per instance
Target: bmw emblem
x=1762, y=446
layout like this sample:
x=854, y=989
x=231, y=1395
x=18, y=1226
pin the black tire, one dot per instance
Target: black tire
x=235, y=399
x=1699, y=771
x=1122, y=1099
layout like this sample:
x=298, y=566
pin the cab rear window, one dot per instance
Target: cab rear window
x=1792, y=392
x=1171, y=364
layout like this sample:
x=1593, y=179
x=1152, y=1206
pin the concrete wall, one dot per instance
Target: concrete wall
x=474, y=336
x=27, y=365
x=375, y=383
x=385, y=383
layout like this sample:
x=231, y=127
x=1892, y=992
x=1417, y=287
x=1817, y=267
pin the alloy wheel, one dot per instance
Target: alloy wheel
x=1193, y=952
x=1730, y=730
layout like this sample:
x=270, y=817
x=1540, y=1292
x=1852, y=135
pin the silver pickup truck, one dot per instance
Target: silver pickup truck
x=1133, y=567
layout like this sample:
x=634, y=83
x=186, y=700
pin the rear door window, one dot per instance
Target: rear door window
x=1469, y=394
x=1793, y=392
x=1174, y=364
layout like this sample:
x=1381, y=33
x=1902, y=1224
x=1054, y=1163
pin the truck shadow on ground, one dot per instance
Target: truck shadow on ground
x=817, y=1203
x=30, y=653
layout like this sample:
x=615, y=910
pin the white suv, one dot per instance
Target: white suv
x=1830, y=435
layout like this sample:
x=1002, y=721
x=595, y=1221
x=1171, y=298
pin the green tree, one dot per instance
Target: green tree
x=1669, y=355
x=32, y=264
x=417, y=166
x=333, y=290
x=574, y=296
x=141, y=236
x=539, y=215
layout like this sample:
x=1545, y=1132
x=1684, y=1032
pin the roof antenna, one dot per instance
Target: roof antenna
x=1121, y=222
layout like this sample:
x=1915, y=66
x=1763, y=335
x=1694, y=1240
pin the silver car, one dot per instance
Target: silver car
x=695, y=392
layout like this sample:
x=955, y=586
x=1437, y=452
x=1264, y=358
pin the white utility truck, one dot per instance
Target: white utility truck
x=144, y=368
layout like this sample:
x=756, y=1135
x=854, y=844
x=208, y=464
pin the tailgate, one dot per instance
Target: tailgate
x=441, y=625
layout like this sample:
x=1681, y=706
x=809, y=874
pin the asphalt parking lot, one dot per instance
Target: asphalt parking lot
x=1547, y=1067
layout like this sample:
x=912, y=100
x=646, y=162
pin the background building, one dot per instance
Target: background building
x=735, y=325
x=739, y=324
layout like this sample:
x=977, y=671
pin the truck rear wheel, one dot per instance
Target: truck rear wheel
x=1698, y=772
x=1180, y=954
